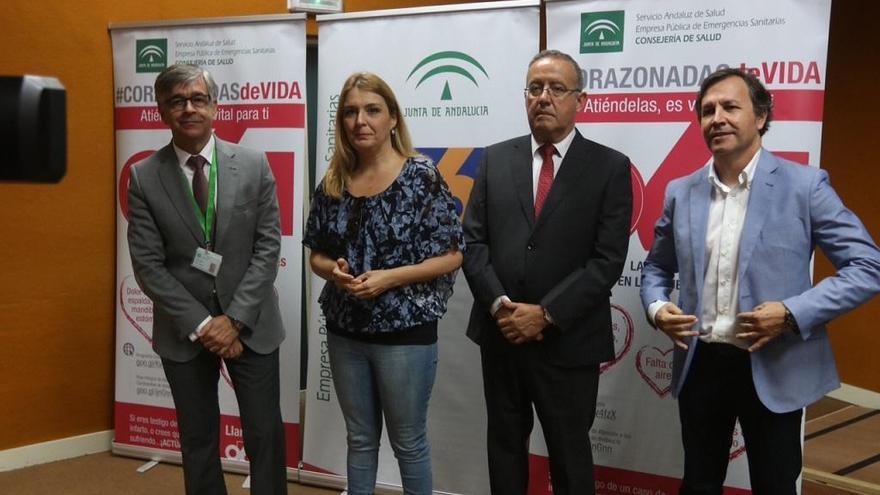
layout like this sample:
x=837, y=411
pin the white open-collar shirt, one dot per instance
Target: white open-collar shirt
x=727, y=214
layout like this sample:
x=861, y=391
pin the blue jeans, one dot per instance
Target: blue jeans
x=372, y=379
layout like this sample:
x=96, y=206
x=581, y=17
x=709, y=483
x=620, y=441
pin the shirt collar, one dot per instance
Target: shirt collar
x=207, y=152
x=561, y=147
x=745, y=177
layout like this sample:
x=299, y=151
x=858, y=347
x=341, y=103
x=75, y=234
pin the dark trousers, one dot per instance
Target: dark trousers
x=255, y=378
x=514, y=378
x=718, y=390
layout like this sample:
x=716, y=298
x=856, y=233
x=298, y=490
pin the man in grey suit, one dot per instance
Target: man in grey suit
x=749, y=328
x=204, y=234
x=547, y=229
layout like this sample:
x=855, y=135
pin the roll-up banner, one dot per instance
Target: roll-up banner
x=644, y=62
x=459, y=73
x=259, y=64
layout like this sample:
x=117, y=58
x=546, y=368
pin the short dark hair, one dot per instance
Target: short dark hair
x=177, y=74
x=562, y=56
x=762, y=100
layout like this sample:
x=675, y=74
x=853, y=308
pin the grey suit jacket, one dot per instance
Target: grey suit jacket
x=163, y=234
x=567, y=260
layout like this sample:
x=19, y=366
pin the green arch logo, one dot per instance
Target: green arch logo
x=602, y=32
x=445, y=63
x=151, y=55
x=603, y=27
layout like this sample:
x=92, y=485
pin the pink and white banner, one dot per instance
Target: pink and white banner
x=259, y=65
x=644, y=62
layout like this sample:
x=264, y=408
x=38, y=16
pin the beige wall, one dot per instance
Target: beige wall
x=57, y=243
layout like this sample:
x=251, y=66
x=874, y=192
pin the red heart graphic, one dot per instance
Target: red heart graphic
x=738, y=445
x=137, y=307
x=623, y=328
x=138, y=310
x=655, y=368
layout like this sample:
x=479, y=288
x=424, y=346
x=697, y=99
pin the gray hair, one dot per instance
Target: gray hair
x=178, y=74
x=561, y=56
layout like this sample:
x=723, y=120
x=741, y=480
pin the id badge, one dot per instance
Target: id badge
x=207, y=261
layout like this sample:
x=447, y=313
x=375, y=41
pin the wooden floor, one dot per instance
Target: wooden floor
x=106, y=474
x=841, y=456
x=842, y=446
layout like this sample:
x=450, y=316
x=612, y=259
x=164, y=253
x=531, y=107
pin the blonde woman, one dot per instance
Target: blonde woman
x=384, y=232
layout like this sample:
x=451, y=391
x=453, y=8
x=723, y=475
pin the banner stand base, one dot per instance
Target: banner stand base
x=296, y=475
x=150, y=454
x=146, y=467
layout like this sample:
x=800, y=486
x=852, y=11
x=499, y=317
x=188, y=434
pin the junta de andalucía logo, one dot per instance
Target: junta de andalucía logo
x=444, y=64
x=151, y=55
x=602, y=32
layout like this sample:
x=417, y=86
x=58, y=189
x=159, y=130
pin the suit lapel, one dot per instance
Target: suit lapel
x=700, y=201
x=227, y=187
x=567, y=180
x=179, y=192
x=760, y=202
x=521, y=171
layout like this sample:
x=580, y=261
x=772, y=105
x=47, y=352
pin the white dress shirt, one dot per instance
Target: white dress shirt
x=208, y=154
x=727, y=214
x=182, y=157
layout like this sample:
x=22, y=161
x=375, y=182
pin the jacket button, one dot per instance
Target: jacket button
x=530, y=247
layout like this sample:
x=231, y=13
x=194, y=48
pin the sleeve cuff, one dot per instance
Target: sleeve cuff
x=198, y=331
x=653, y=308
x=496, y=304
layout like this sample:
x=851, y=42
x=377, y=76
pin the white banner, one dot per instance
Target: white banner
x=452, y=114
x=644, y=61
x=259, y=65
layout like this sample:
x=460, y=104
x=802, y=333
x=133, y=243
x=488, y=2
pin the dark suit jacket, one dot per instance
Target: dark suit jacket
x=163, y=234
x=567, y=261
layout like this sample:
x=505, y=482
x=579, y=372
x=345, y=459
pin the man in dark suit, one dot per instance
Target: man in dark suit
x=749, y=327
x=547, y=229
x=204, y=234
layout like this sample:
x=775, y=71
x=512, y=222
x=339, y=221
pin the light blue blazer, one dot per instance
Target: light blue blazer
x=792, y=209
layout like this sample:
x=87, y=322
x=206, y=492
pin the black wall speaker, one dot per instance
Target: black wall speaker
x=33, y=129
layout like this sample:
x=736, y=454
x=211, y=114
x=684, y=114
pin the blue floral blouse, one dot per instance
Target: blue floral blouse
x=412, y=220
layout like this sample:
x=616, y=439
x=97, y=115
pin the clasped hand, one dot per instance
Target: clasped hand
x=675, y=324
x=521, y=322
x=220, y=336
x=367, y=285
x=763, y=324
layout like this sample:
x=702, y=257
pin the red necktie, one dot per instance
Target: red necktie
x=199, y=182
x=545, y=179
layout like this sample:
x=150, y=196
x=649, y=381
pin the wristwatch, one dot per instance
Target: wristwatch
x=238, y=324
x=547, y=318
x=790, y=322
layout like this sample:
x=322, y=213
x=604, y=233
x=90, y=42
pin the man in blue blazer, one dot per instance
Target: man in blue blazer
x=749, y=329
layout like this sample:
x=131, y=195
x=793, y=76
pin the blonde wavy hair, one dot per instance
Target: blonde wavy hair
x=345, y=159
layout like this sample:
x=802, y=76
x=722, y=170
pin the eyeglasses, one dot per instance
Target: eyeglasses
x=198, y=100
x=555, y=90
